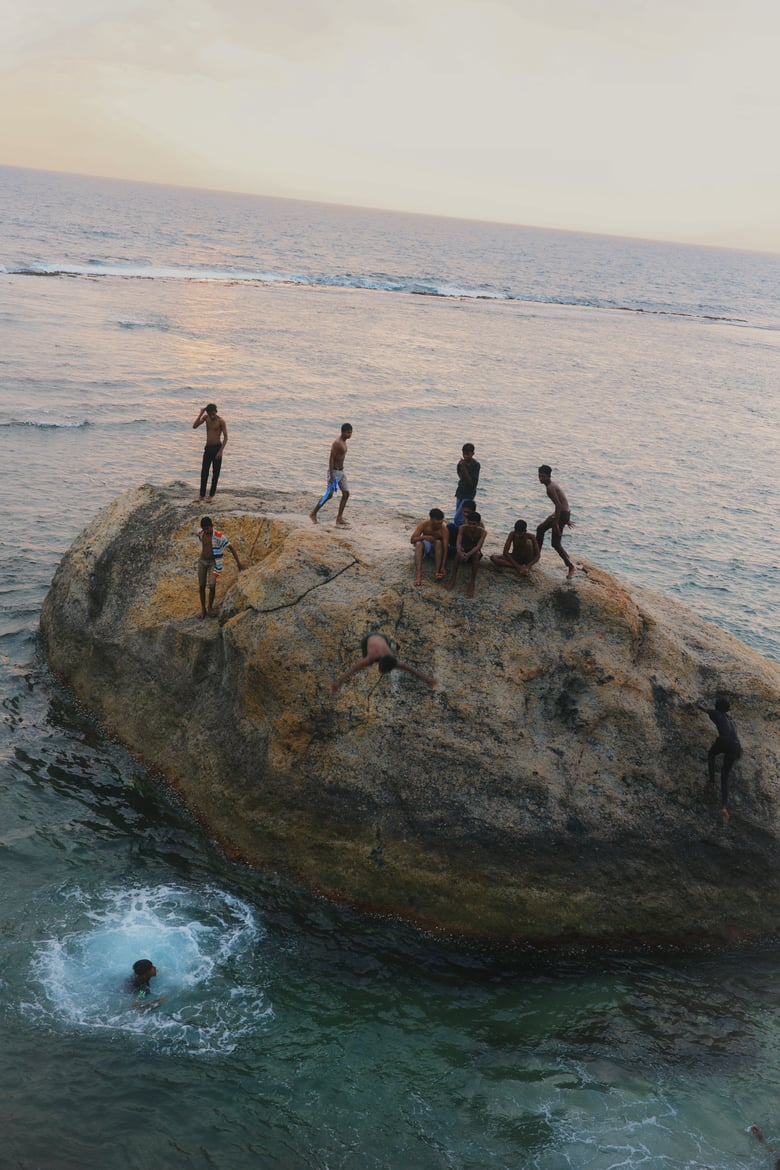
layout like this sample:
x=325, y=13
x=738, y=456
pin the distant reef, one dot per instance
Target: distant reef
x=551, y=792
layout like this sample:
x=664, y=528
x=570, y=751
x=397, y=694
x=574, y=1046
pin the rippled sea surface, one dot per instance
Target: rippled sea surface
x=296, y=1034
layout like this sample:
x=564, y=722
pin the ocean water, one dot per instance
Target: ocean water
x=296, y=1034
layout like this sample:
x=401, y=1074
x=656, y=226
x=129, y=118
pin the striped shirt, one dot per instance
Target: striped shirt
x=219, y=542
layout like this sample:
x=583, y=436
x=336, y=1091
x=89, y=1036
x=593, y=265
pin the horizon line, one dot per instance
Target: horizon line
x=395, y=211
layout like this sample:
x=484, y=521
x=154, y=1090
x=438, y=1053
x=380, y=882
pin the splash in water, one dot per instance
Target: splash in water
x=206, y=945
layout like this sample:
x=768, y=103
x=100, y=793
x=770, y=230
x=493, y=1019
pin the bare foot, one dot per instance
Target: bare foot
x=313, y=517
x=470, y=591
x=571, y=572
x=201, y=616
x=211, y=612
x=418, y=580
x=450, y=584
x=440, y=576
x=342, y=524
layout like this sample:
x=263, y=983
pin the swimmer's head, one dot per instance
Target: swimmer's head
x=469, y=506
x=474, y=518
x=521, y=526
x=206, y=523
x=144, y=967
x=722, y=705
x=468, y=450
x=387, y=663
x=211, y=408
x=436, y=514
x=346, y=430
x=545, y=472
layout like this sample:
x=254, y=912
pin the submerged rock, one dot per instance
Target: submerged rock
x=552, y=790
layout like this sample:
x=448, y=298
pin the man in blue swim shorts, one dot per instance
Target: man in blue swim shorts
x=337, y=479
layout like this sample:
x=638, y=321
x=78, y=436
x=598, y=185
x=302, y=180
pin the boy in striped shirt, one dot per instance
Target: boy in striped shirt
x=212, y=547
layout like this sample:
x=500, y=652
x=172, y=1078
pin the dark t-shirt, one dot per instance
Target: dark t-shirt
x=467, y=488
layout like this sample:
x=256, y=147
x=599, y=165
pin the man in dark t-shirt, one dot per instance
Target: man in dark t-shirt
x=468, y=478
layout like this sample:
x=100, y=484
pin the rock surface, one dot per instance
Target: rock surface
x=551, y=790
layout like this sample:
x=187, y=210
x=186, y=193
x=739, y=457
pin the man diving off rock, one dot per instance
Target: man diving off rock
x=379, y=649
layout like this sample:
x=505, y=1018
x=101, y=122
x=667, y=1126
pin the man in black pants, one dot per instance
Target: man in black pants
x=216, y=441
x=727, y=745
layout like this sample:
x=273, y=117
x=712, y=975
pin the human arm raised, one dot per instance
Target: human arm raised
x=348, y=674
x=417, y=674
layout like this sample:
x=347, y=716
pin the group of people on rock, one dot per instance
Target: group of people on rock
x=464, y=536
x=461, y=539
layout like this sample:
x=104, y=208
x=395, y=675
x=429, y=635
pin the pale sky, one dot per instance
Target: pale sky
x=630, y=117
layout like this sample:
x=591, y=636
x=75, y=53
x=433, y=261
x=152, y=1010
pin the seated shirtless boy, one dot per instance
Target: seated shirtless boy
x=521, y=551
x=430, y=536
x=468, y=550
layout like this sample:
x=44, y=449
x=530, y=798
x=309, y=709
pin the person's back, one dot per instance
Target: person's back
x=727, y=728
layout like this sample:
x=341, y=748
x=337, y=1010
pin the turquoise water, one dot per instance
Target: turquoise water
x=297, y=1034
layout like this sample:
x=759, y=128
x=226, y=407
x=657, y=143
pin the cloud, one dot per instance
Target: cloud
x=605, y=114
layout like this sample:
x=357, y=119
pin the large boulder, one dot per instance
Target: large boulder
x=551, y=790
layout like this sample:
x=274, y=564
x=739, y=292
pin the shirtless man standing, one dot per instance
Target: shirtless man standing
x=216, y=441
x=560, y=518
x=337, y=477
x=468, y=550
x=521, y=551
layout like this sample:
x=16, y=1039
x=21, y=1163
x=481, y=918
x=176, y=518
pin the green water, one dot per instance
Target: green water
x=296, y=1034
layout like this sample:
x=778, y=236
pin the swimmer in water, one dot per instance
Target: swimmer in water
x=756, y=1132
x=138, y=984
x=381, y=650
